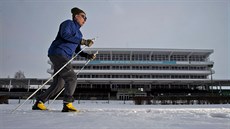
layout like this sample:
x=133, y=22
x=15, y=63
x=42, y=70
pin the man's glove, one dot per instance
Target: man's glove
x=91, y=56
x=88, y=42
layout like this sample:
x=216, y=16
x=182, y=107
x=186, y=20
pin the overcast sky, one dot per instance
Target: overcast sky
x=28, y=28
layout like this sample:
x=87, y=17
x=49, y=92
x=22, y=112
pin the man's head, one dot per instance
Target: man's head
x=78, y=15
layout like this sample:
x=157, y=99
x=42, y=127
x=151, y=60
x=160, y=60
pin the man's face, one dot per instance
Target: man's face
x=80, y=18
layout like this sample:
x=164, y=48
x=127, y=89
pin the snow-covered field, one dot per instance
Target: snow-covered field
x=116, y=115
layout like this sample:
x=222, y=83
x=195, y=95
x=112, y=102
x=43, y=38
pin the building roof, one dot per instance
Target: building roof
x=205, y=52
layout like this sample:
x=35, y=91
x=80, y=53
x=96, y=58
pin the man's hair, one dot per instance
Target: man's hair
x=76, y=11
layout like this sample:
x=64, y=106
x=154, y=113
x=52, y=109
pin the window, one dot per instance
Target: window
x=117, y=57
x=178, y=58
x=140, y=57
x=197, y=58
x=159, y=57
x=103, y=57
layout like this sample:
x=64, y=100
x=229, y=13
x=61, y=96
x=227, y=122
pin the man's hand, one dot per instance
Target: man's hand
x=88, y=42
x=91, y=56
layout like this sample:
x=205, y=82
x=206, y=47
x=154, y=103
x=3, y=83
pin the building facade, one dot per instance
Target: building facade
x=127, y=72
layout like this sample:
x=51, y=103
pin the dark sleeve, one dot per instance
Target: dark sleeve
x=82, y=54
x=66, y=32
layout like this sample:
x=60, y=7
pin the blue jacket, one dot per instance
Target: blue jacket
x=68, y=40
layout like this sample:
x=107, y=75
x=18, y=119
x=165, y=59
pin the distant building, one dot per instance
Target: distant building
x=129, y=72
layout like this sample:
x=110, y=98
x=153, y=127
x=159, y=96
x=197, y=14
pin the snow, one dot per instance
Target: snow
x=116, y=115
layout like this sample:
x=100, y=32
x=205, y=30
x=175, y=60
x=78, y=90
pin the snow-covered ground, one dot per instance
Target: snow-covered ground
x=116, y=115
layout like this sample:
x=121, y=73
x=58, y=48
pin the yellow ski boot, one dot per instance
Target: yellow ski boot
x=68, y=107
x=39, y=105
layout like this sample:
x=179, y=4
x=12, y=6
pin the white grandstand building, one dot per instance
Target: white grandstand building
x=128, y=70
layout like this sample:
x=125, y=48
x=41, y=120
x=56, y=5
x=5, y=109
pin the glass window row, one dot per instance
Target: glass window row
x=126, y=67
x=145, y=57
x=162, y=76
x=135, y=86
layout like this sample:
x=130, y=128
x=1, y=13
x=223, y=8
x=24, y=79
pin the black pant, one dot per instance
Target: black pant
x=66, y=77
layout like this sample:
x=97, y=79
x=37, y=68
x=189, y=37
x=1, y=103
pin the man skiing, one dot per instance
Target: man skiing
x=68, y=41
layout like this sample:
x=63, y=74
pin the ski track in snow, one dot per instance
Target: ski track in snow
x=116, y=115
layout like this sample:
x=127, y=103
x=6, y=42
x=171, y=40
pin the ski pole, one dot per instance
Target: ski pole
x=49, y=79
x=76, y=74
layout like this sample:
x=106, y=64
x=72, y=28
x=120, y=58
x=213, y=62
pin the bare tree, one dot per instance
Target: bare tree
x=19, y=75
